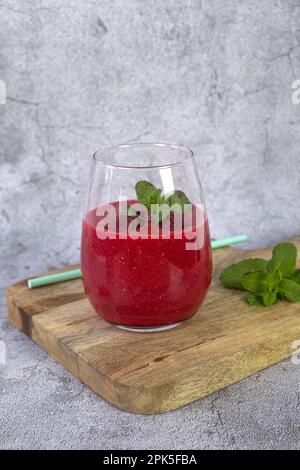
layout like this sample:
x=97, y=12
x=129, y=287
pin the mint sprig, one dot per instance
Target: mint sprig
x=153, y=199
x=267, y=281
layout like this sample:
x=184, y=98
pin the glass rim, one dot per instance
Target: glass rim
x=98, y=154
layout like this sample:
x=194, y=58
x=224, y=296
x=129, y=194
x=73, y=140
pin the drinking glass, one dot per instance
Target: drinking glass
x=145, y=270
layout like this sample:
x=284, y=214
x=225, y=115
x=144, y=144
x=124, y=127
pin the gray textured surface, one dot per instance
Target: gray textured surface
x=81, y=75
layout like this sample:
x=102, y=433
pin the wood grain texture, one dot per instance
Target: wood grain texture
x=156, y=372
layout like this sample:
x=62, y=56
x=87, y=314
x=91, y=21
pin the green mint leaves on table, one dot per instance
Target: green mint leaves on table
x=266, y=281
x=149, y=195
x=231, y=277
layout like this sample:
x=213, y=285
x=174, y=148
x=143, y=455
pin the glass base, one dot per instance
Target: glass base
x=148, y=329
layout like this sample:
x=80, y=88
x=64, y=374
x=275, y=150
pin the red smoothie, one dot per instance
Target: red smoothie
x=144, y=282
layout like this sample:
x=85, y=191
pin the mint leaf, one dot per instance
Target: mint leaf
x=262, y=300
x=276, y=277
x=258, y=282
x=255, y=300
x=146, y=193
x=150, y=196
x=269, y=298
x=143, y=189
x=231, y=276
x=155, y=197
x=290, y=290
x=296, y=276
x=178, y=198
x=284, y=257
x=263, y=286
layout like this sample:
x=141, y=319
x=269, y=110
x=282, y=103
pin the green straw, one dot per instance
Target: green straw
x=76, y=273
x=228, y=241
x=53, y=278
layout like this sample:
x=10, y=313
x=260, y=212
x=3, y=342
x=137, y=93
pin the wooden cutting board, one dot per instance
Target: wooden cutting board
x=156, y=372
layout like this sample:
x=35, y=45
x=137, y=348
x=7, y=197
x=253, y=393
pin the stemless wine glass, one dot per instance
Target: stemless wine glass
x=143, y=269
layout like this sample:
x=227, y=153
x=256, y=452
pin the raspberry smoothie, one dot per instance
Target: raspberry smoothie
x=144, y=282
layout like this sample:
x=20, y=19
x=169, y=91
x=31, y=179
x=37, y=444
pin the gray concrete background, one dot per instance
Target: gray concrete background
x=80, y=75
